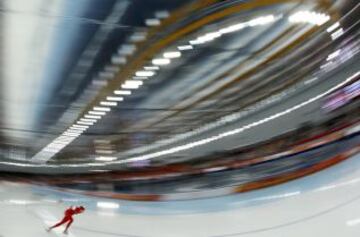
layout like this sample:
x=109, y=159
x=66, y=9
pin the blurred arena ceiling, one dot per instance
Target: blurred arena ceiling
x=107, y=84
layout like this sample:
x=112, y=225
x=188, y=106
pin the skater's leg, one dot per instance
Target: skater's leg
x=64, y=220
x=68, y=225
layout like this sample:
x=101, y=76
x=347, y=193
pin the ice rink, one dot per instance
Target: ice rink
x=180, y=118
x=322, y=204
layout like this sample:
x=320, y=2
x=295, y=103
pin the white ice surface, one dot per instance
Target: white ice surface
x=324, y=204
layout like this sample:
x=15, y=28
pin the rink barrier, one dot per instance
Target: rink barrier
x=251, y=186
x=262, y=183
x=334, y=136
x=297, y=174
x=311, y=144
x=123, y=196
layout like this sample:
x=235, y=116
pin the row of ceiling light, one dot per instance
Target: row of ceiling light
x=98, y=111
x=298, y=17
x=240, y=129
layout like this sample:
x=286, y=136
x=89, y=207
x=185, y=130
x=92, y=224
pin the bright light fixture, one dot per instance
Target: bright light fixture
x=103, y=151
x=131, y=84
x=64, y=138
x=195, y=42
x=261, y=20
x=58, y=144
x=71, y=134
x=98, y=108
x=68, y=139
x=333, y=55
x=208, y=37
x=150, y=68
x=139, y=78
x=97, y=112
x=144, y=73
x=79, y=126
x=337, y=34
x=152, y=22
x=309, y=17
x=232, y=28
x=84, y=123
x=160, y=61
x=88, y=120
x=92, y=116
x=106, y=158
x=185, y=47
x=114, y=98
x=254, y=22
x=122, y=92
x=173, y=54
x=76, y=129
x=99, y=170
x=107, y=103
x=333, y=27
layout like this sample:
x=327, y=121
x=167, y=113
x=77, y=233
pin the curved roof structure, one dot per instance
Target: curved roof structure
x=155, y=100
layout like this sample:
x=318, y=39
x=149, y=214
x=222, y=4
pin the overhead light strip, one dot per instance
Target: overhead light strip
x=312, y=17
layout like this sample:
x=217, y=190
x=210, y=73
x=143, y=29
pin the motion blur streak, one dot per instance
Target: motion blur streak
x=181, y=118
